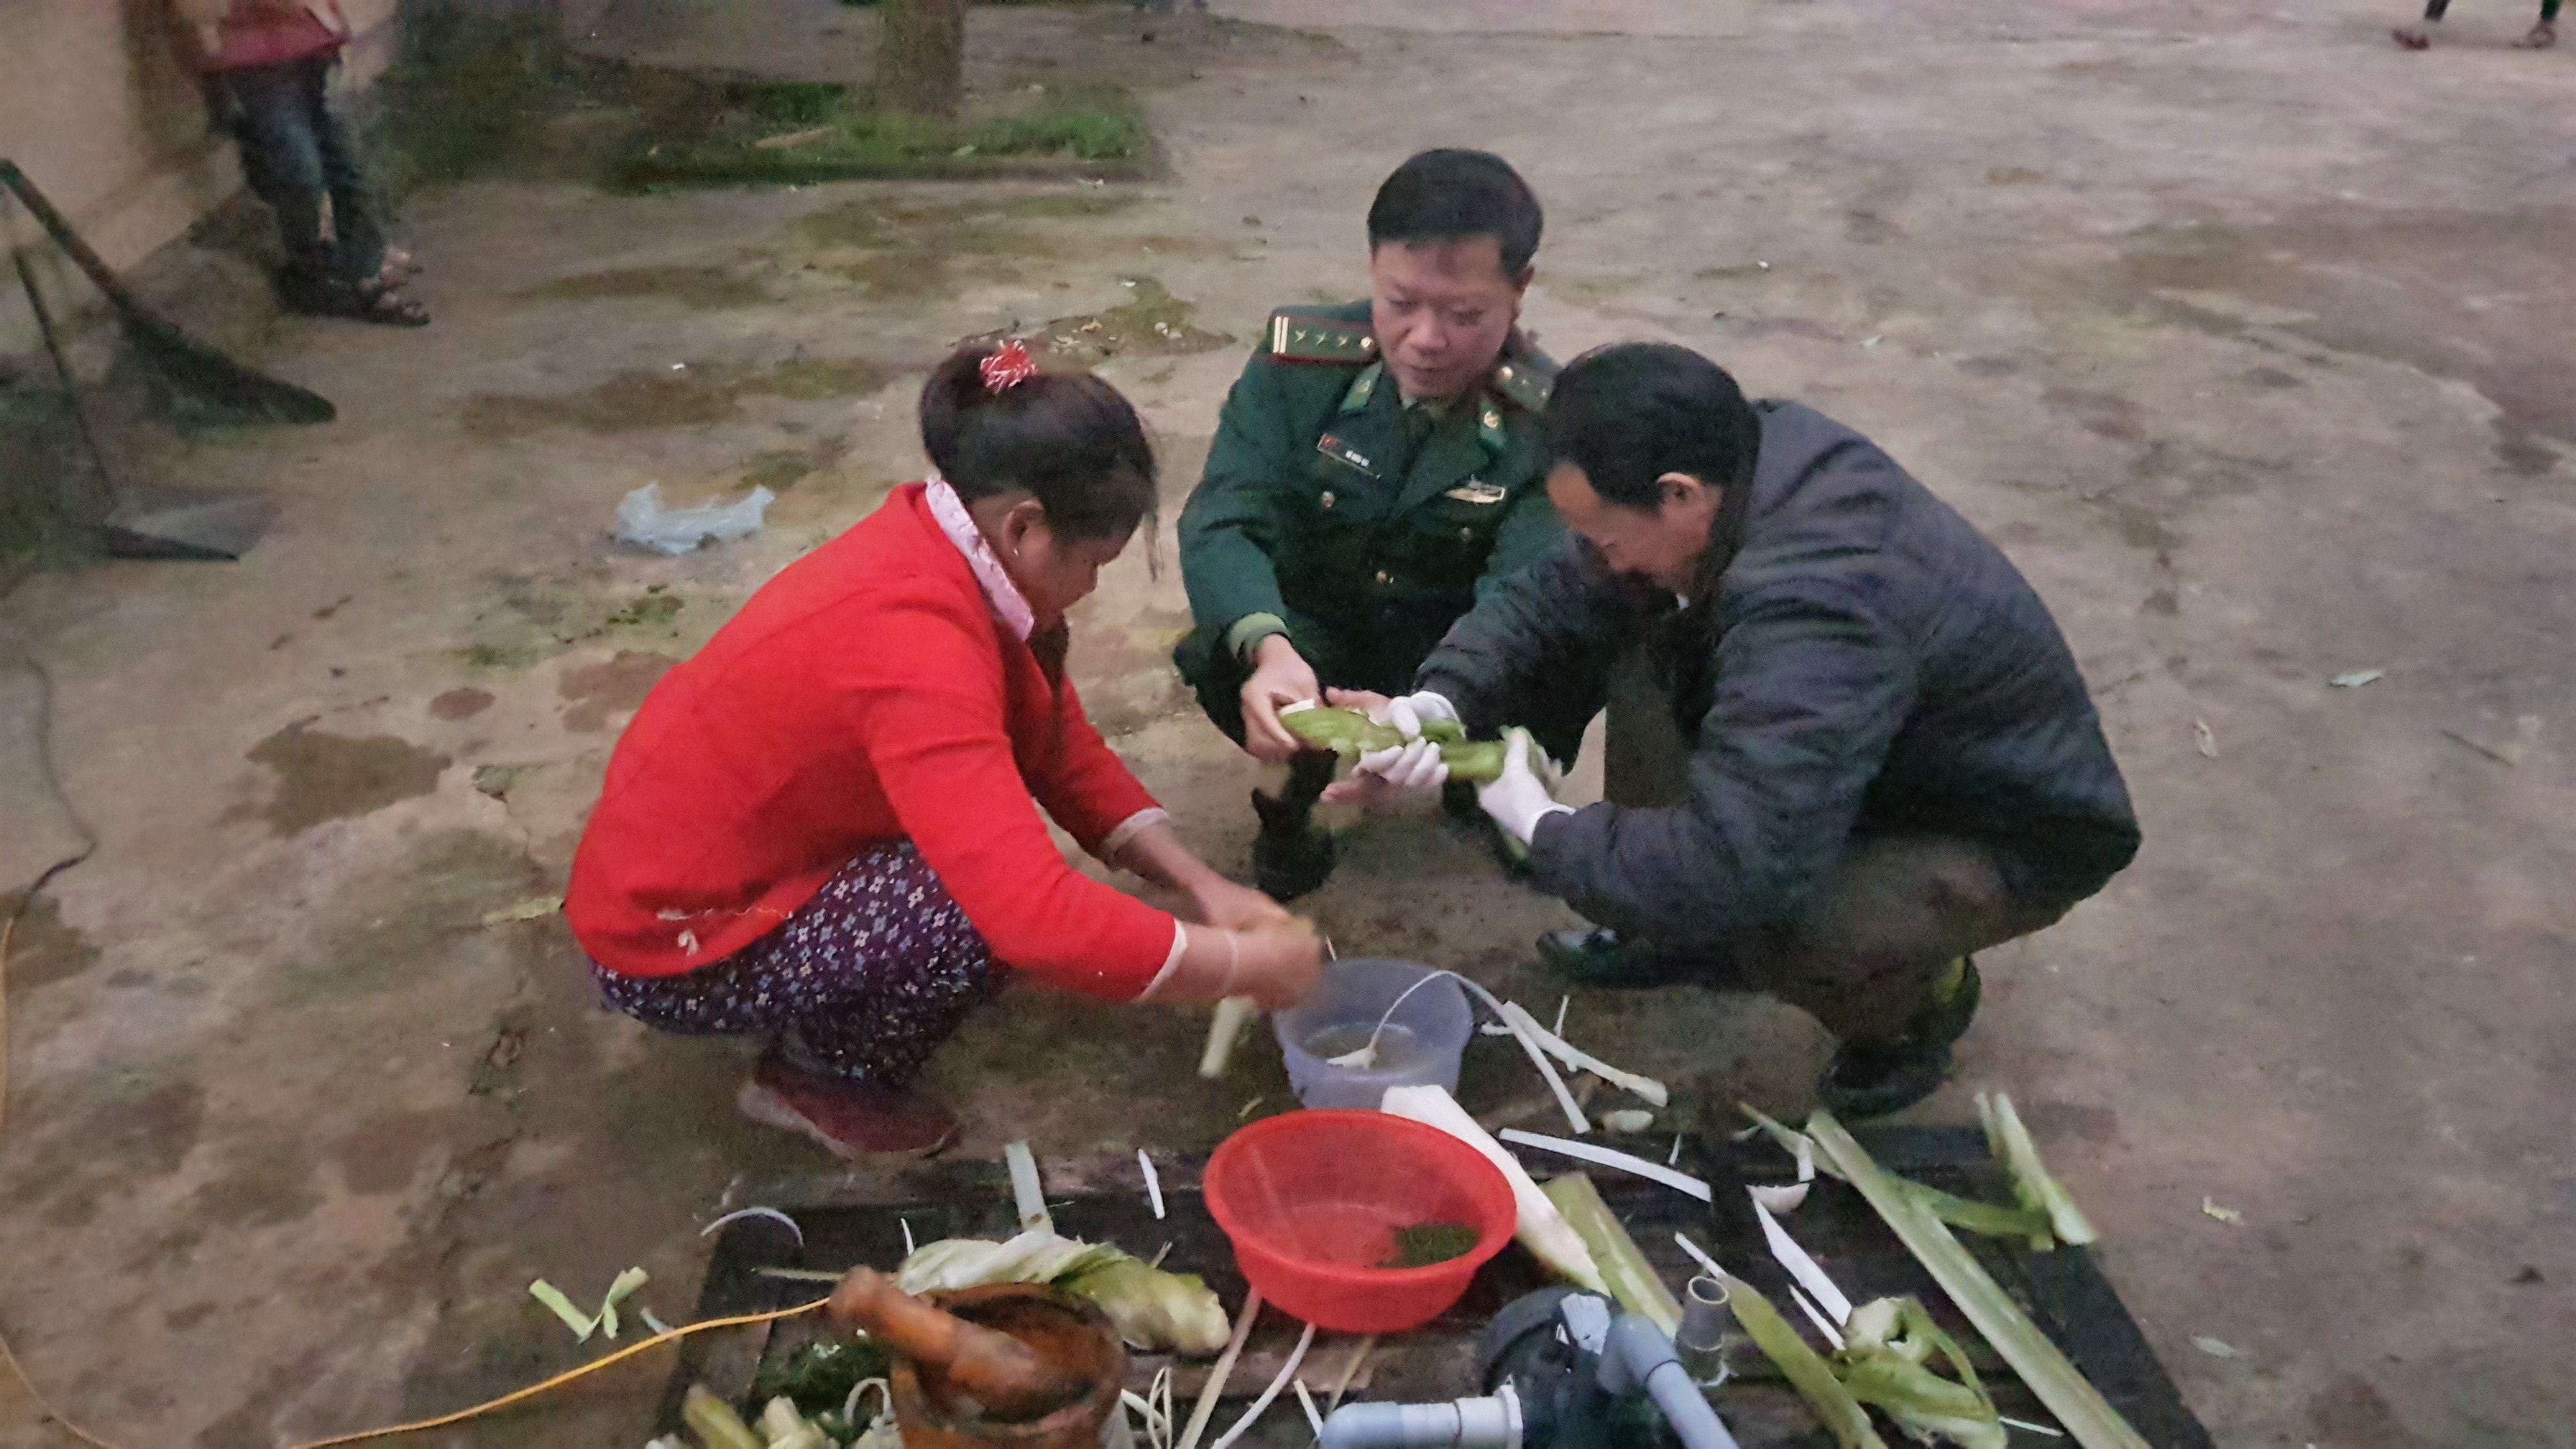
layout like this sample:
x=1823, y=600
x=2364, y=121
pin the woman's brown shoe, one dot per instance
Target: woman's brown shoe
x=850, y=1119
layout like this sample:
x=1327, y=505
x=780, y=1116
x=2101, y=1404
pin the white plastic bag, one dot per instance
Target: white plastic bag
x=641, y=519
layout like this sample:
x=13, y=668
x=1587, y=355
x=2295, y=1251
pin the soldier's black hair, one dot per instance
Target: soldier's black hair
x=1067, y=437
x=1629, y=413
x=1445, y=195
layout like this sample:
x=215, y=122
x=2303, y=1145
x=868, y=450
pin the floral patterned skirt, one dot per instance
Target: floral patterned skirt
x=864, y=981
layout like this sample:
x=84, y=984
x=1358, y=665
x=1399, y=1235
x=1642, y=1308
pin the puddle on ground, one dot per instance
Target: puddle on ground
x=709, y=287
x=460, y=704
x=1151, y=323
x=616, y=687
x=336, y=777
x=686, y=396
x=897, y=250
x=42, y=950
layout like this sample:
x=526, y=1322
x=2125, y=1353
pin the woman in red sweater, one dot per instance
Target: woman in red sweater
x=824, y=828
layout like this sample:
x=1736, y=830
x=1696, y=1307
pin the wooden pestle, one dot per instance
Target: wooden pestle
x=1009, y=1378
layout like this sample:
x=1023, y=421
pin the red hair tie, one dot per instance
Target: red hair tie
x=1008, y=367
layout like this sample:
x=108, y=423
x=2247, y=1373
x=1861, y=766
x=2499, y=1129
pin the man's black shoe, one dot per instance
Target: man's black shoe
x=1596, y=956
x=1866, y=1082
x=1292, y=856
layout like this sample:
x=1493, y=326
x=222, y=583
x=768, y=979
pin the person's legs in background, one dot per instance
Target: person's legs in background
x=282, y=164
x=357, y=236
x=855, y=991
x=2543, y=35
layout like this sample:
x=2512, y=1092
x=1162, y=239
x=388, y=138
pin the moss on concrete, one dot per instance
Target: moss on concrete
x=689, y=395
x=791, y=134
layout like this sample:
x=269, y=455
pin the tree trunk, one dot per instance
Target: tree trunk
x=921, y=60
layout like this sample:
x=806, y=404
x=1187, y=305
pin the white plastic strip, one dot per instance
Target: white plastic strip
x=1270, y=1395
x=1700, y=1256
x=1608, y=1157
x=1580, y=1060
x=1205, y=1409
x=1806, y=1305
x=739, y=1214
x=2028, y=1427
x=1025, y=1189
x=1306, y=1401
x=1153, y=1183
x=1801, y=1266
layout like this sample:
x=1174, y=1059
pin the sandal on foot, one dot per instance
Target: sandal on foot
x=2539, y=37
x=385, y=305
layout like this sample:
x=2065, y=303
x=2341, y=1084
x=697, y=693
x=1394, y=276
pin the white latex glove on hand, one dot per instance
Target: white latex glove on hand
x=1381, y=777
x=1409, y=713
x=1518, y=799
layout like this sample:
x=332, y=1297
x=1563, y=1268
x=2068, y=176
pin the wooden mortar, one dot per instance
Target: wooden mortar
x=1070, y=1334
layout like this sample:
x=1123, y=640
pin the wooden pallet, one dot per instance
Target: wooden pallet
x=1103, y=1200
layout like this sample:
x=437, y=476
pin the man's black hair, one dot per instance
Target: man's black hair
x=1445, y=195
x=1629, y=413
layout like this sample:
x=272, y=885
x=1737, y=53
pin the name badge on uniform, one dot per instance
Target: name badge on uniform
x=1341, y=452
x=1476, y=490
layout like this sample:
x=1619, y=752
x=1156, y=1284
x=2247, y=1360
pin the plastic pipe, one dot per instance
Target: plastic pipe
x=1703, y=1330
x=1493, y=1423
x=1637, y=1354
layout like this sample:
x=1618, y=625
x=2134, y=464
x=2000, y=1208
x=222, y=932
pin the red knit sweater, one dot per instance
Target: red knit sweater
x=866, y=693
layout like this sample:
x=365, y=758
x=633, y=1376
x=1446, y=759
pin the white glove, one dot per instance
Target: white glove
x=1518, y=798
x=1414, y=767
x=1409, y=713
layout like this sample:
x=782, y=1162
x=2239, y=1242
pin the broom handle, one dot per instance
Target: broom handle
x=55, y=226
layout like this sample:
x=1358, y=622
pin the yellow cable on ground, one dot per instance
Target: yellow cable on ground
x=558, y=1381
x=62, y=1421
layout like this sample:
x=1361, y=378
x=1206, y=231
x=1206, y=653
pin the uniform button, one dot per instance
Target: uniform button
x=1328, y=500
x=1382, y=578
x=1466, y=535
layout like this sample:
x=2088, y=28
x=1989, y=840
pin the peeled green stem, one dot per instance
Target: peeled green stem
x=1632, y=1280
x=1983, y=1218
x=715, y=1423
x=1350, y=734
x=1232, y=1015
x=2077, y=1404
x=2010, y=1142
x=1804, y=1368
x=1887, y=1363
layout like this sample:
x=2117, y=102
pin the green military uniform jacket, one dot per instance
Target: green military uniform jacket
x=1319, y=517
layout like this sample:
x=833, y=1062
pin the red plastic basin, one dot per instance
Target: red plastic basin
x=1312, y=1202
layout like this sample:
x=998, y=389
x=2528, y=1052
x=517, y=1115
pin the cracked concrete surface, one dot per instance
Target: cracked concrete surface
x=2246, y=335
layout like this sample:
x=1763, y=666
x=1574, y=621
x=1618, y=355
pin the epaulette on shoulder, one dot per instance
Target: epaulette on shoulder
x=1526, y=379
x=1299, y=335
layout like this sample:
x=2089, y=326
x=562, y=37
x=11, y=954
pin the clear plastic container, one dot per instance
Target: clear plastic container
x=1421, y=1044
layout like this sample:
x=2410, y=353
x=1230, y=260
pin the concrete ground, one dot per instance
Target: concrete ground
x=2248, y=336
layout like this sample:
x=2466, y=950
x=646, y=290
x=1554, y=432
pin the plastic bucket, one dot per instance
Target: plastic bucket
x=1421, y=1043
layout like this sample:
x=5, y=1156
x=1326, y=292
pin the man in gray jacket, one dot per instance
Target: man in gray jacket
x=1894, y=762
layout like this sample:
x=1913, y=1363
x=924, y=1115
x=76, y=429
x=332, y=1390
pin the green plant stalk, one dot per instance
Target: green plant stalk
x=1631, y=1278
x=1886, y=1363
x=1804, y=1368
x=715, y=1423
x=1350, y=734
x=2079, y=1407
x=1984, y=1218
x=2010, y=1142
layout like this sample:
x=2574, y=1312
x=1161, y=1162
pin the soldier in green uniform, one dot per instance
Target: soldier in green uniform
x=1376, y=467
